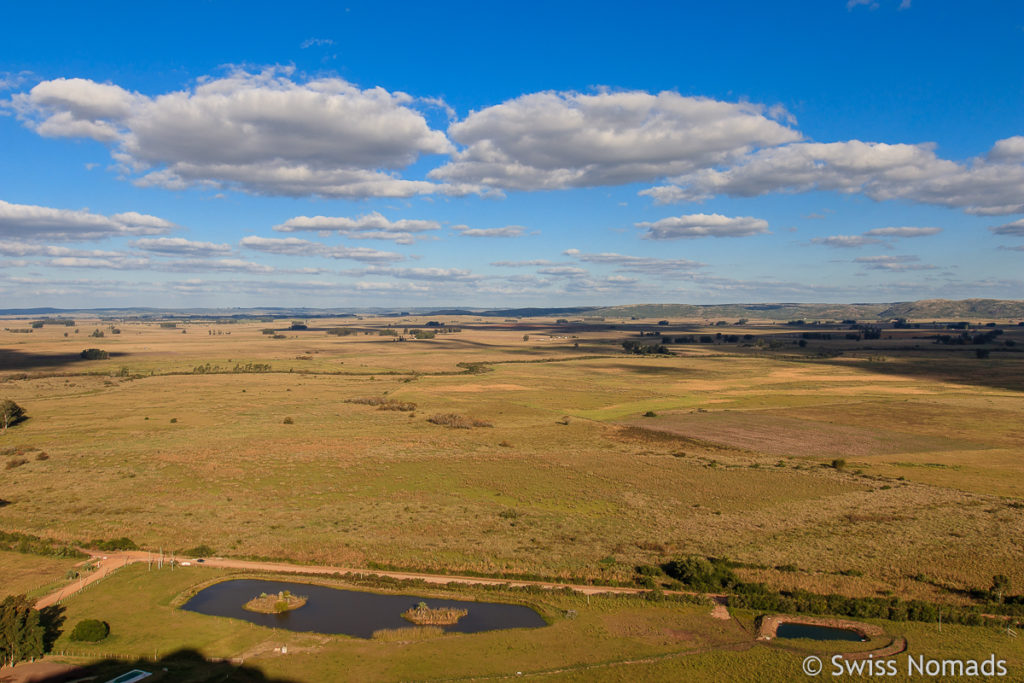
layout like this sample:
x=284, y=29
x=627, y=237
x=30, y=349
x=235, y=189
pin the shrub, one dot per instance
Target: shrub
x=456, y=421
x=90, y=631
x=95, y=354
x=706, y=574
x=123, y=543
x=650, y=413
x=288, y=421
x=199, y=551
x=14, y=462
x=838, y=463
x=10, y=413
x=384, y=403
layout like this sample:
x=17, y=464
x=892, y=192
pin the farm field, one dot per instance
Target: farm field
x=867, y=468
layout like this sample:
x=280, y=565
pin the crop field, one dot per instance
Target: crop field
x=888, y=467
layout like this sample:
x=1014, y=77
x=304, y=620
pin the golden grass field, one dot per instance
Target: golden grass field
x=734, y=463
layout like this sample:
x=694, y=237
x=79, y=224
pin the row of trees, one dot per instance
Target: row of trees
x=22, y=633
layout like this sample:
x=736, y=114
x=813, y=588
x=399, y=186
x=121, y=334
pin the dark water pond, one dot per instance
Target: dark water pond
x=353, y=613
x=790, y=630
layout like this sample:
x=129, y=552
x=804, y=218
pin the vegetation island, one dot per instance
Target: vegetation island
x=275, y=604
x=433, y=616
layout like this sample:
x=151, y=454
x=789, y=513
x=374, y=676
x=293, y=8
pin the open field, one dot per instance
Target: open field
x=32, y=574
x=601, y=638
x=179, y=439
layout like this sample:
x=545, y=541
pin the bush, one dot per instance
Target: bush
x=456, y=421
x=384, y=403
x=288, y=421
x=90, y=631
x=199, y=551
x=10, y=413
x=643, y=349
x=95, y=354
x=706, y=574
x=123, y=543
x=838, y=463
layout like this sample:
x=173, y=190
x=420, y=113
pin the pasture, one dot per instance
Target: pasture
x=596, y=461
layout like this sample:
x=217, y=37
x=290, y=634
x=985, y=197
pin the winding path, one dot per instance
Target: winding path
x=108, y=562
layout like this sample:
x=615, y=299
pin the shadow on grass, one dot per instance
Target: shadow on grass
x=181, y=666
x=52, y=620
x=998, y=372
x=11, y=359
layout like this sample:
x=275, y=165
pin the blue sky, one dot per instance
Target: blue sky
x=483, y=154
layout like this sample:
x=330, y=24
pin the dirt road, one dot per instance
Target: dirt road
x=107, y=562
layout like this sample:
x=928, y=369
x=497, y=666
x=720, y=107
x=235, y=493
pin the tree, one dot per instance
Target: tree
x=1000, y=585
x=21, y=630
x=10, y=413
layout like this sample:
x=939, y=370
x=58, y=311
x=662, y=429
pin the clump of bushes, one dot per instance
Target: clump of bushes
x=95, y=354
x=705, y=574
x=643, y=349
x=283, y=602
x=433, y=616
x=34, y=545
x=90, y=631
x=123, y=543
x=384, y=403
x=456, y=421
x=14, y=462
x=288, y=421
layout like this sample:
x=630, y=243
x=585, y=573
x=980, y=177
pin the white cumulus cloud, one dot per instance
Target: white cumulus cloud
x=31, y=222
x=507, y=231
x=293, y=246
x=178, y=246
x=264, y=133
x=880, y=171
x=369, y=226
x=554, y=140
x=703, y=225
x=903, y=232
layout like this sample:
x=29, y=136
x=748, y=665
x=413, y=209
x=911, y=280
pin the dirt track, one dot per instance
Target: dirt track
x=108, y=562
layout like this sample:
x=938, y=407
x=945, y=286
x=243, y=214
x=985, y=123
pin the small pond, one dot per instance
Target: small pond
x=353, y=613
x=790, y=630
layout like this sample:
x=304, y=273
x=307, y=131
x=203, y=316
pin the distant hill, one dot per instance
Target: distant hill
x=514, y=312
x=945, y=309
x=779, y=311
x=929, y=309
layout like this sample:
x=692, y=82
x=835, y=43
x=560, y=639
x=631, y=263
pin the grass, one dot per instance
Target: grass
x=32, y=574
x=601, y=638
x=733, y=462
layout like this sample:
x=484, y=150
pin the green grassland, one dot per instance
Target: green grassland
x=32, y=574
x=735, y=461
x=603, y=638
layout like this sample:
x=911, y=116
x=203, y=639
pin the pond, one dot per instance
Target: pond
x=353, y=613
x=790, y=630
